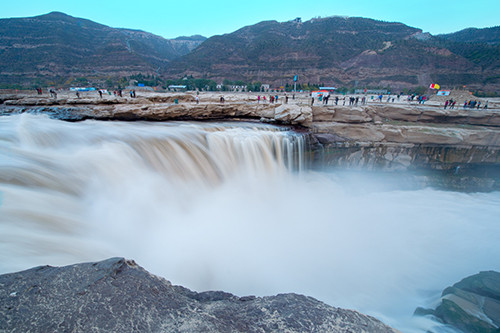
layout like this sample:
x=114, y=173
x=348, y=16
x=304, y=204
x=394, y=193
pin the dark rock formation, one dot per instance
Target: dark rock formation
x=116, y=295
x=471, y=305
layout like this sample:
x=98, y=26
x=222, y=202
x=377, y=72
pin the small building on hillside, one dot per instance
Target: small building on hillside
x=238, y=88
x=371, y=91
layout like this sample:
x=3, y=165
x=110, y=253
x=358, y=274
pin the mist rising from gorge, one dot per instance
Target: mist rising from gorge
x=242, y=223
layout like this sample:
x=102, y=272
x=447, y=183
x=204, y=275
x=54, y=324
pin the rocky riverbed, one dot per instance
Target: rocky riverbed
x=460, y=145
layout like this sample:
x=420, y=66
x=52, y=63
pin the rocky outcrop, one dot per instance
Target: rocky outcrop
x=116, y=295
x=293, y=114
x=402, y=123
x=457, y=148
x=405, y=114
x=157, y=107
x=471, y=305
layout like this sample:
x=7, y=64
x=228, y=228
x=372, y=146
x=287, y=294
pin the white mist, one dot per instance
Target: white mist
x=216, y=209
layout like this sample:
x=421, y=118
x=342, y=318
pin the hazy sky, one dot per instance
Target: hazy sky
x=170, y=19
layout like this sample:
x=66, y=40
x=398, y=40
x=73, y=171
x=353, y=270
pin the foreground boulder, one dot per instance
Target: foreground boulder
x=471, y=305
x=116, y=295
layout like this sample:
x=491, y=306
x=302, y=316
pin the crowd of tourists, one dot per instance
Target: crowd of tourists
x=273, y=98
x=474, y=105
x=419, y=98
x=450, y=103
x=323, y=99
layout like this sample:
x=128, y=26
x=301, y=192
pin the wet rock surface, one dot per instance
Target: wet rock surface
x=471, y=305
x=117, y=295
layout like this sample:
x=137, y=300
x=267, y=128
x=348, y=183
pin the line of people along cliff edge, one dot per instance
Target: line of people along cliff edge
x=322, y=98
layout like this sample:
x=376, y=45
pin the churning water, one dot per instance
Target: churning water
x=231, y=207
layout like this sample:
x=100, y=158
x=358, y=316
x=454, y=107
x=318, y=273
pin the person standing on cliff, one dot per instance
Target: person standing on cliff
x=312, y=101
x=53, y=93
x=100, y=93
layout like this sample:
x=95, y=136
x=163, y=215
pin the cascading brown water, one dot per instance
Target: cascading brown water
x=221, y=206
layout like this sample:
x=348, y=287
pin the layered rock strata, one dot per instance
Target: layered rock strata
x=457, y=148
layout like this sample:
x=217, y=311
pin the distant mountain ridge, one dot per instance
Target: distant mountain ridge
x=346, y=51
x=474, y=35
x=57, y=44
x=341, y=51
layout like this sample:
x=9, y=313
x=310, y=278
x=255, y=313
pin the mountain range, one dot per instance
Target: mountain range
x=340, y=51
x=57, y=45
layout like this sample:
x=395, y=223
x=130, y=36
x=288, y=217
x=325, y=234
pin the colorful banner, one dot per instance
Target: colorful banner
x=434, y=86
x=82, y=89
x=443, y=93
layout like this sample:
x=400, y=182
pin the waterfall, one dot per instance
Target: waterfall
x=234, y=207
x=37, y=149
x=54, y=174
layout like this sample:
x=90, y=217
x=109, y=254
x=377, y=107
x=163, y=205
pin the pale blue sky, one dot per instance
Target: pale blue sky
x=180, y=17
